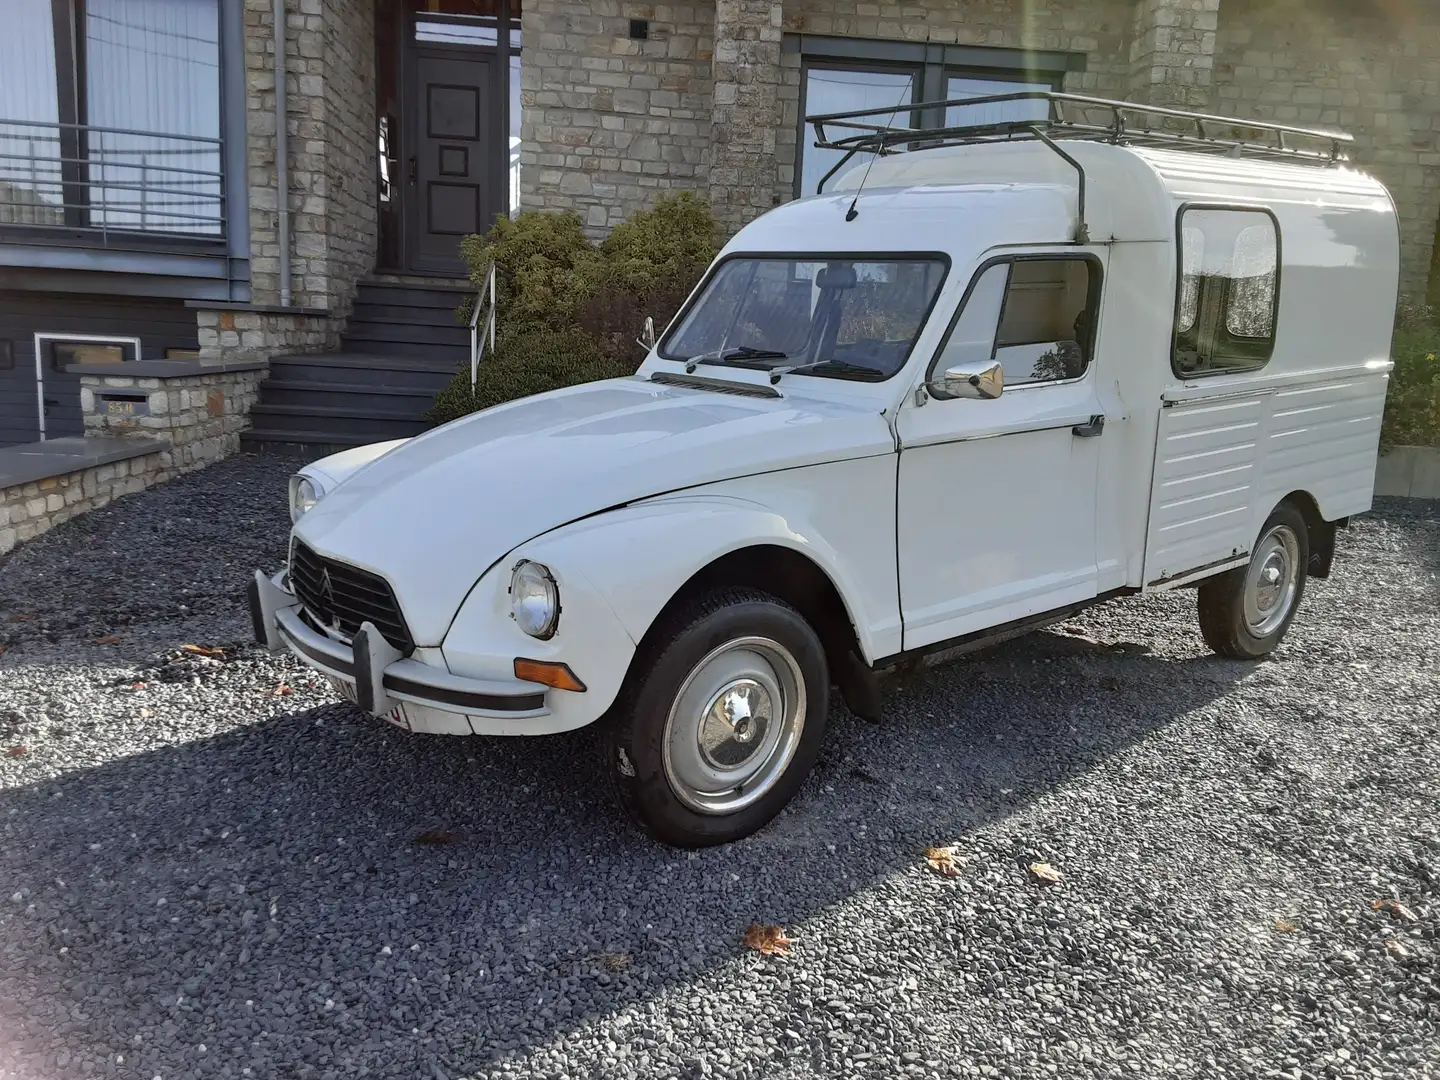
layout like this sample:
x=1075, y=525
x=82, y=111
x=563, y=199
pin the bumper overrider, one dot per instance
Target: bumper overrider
x=383, y=681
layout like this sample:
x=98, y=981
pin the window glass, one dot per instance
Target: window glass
x=153, y=66
x=7, y=354
x=30, y=192
x=65, y=353
x=972, y=336
x=1045, y=324
x=966, y=86
x=1229, y=291
x=833, y=90
x=853, y=319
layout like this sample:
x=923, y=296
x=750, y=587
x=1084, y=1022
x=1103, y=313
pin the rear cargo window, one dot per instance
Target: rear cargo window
x=1229, y=291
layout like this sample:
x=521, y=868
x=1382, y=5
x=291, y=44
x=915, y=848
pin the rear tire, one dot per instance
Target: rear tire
x=1244, y=613
x=720, y=720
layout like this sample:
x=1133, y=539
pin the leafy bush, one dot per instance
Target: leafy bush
x=527, y=362
x=570, y=310
x=1412, y=409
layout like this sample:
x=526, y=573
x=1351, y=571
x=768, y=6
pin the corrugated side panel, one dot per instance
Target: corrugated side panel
x=1222, y=465
x=1206, y=455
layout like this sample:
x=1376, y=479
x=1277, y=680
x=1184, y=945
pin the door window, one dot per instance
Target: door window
x=1036, y=316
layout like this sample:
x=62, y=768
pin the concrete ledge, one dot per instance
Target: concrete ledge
x=31, y=462
x=1409, y=472
x=261, y=309
x=164, y=369
x=43, y=484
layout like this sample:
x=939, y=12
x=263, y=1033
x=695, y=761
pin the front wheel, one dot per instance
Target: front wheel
x=721, y=719
x=1244, y=613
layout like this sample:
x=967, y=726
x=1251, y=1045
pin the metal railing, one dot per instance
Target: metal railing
x=482, y=333
x=78, y=177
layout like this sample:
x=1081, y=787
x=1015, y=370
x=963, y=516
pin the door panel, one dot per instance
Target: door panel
x=452, y=162
x=1000, y=525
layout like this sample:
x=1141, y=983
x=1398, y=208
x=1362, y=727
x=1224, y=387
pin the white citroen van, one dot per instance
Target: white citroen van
x=995, y=375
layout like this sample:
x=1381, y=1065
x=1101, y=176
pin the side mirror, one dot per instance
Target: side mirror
x=647, y=338
x=985, y=381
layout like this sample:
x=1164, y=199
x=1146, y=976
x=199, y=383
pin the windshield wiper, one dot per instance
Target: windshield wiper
x=827, y=368
x=730, y=358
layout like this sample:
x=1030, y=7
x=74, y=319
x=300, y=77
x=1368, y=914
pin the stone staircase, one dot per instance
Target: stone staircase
x=400, y=348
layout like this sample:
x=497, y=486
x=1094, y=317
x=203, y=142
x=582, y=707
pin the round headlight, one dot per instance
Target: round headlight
x=534, y=599
x=304, y=494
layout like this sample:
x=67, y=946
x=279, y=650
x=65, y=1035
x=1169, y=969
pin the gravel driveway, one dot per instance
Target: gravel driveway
x=204, y=875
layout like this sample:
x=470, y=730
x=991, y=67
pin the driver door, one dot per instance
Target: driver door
x=997, y=498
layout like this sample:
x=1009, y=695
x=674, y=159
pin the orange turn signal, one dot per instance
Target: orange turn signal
x=548, y=674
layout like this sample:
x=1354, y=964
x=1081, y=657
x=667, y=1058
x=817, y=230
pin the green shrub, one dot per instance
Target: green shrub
x=528, y=362
x=1412, y=409
x=570, y=310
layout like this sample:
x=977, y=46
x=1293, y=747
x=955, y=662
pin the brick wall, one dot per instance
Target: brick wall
x=1375, y=74
x=330, y=109
x=610, y=122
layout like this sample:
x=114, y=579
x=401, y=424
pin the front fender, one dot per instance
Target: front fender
x=616, y=571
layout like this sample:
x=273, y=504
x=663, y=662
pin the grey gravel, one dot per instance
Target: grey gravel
x=200, y=877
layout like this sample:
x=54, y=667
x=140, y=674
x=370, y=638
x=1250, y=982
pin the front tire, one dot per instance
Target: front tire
x=1245, y=612
x=720, y=720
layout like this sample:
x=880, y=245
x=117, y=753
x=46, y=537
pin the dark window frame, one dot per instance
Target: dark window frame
x=1222, y=316
x=699, y=292
x=1094, y=299
x=935, y=64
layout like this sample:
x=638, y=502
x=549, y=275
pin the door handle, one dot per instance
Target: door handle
x=414, y=169
x=1090, y=430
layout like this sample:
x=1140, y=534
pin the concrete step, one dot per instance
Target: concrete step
x=338, y=421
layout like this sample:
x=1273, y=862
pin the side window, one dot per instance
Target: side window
x=1229, y=291
x=1047, y=320
x=972, y=335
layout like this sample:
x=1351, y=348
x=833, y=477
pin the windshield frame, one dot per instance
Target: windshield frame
x=700, y=292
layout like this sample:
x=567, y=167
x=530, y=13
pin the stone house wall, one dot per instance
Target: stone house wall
x=1370, y=66
x=27, y=510
x=610, y=122
x=330, y=107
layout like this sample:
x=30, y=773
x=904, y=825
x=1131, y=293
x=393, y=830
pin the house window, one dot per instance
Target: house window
x=1229, y=292
x=83, y=349
x=7, y=354
x=845, y=75
x=110, y=116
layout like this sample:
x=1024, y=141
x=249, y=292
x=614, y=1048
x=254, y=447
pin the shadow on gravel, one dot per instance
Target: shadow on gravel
x=269, y=880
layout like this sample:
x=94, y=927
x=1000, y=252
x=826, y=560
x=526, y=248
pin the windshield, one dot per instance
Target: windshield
x=845, y=318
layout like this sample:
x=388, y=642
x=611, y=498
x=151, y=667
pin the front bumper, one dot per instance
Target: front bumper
x=374, y=675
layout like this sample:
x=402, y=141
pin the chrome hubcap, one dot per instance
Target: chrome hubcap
x=1272, y=580
x=734, y=725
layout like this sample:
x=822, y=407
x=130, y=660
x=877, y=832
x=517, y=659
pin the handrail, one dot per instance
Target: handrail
x=478, y=335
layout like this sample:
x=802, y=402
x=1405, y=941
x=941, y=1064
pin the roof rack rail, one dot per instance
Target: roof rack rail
x=1072, y=117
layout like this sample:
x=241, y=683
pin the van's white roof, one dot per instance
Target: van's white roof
x=1023, y=192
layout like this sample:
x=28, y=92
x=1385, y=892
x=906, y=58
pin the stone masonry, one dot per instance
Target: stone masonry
x=604, y=136
x=27, y=510
x=259, y=335
x=330, y=108
x=201, y=414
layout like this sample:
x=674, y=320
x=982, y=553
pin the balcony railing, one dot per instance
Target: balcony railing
x=110, y=182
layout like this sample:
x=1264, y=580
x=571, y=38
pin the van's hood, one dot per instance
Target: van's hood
x=432, y=515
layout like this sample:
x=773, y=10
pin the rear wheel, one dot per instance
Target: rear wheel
x=720, y=721
x=1245, y=612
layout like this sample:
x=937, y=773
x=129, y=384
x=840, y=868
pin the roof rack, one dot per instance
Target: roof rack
x=1073, y=117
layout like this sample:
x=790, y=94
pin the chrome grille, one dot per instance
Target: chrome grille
x=341, y=597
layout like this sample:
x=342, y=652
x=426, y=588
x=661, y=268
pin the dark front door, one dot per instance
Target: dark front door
x=451, y=186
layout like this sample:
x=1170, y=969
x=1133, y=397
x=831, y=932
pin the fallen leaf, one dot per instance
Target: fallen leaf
x=202, y=650
x=16, y=751
x=1397, y=909
x=281, y=691
x=1285, y=926
x=436, y=837
x=137, y=686
x=614, y=961
x=1045, y=874
x=942, y=860
x=108, y=639
x=23, y=617
x=770, y=940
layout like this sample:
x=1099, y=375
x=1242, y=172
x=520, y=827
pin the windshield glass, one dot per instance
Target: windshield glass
x=851, y=319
